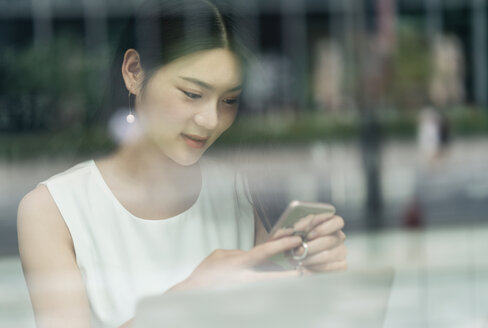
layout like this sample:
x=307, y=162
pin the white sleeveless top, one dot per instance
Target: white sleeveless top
x=123, y=258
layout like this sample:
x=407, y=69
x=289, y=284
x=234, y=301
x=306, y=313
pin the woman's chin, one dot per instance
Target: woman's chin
x=188, y=161
x=187, y=158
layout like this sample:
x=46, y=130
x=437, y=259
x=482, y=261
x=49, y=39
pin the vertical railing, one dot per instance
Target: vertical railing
x=433, y=18
x=480, y=53
x=294, y=36
x=42, y=21
x=95, y=19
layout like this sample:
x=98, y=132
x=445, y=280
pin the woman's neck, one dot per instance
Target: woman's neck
x=149, y=183
x=142, y=164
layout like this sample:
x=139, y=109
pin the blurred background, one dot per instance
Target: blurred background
x=379, y=107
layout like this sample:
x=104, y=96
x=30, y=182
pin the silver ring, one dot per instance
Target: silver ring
x=300, y=257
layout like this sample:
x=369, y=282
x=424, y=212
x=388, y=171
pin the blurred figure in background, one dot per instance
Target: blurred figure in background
x=446, y=89
x=429, y=134
x=433, y=132
x=447, y=83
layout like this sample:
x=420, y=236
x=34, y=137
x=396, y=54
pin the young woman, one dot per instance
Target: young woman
x=152, y=217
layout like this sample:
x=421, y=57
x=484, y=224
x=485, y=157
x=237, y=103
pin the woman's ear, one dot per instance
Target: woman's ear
x=132, y=71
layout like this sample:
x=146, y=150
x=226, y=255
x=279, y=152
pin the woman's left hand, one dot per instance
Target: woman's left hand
x=325, y=240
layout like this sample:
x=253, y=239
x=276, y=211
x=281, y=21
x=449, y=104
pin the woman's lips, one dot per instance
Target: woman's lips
x=194, y=141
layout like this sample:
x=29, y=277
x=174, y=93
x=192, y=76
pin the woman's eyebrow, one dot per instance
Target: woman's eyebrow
x=205, y=84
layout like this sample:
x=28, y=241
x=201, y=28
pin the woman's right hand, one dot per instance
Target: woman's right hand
x=228, y=267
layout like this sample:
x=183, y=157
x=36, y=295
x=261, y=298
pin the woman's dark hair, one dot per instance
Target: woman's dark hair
x=165, y=30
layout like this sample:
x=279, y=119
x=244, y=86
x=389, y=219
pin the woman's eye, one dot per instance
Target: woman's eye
x=231, y=101
x=191, y=95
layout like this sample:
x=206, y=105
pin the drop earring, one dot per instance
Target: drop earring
x=130, y=118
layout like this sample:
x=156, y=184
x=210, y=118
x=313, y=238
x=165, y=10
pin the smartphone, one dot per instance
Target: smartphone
x=295, y=211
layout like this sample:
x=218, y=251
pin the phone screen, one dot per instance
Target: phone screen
x=296, y=211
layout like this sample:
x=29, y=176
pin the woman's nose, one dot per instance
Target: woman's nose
x=208, y=117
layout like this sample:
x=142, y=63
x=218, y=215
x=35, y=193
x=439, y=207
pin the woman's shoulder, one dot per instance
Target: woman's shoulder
x=40, y=206
x=37, y=201
x=37, y=212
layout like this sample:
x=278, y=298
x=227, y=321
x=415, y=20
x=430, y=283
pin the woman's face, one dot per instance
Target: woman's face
x=190, y=102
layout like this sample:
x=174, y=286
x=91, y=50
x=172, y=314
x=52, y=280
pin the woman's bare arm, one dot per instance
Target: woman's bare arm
x=48, y=260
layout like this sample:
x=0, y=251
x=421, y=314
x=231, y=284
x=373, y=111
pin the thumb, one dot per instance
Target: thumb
x=270, y=248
